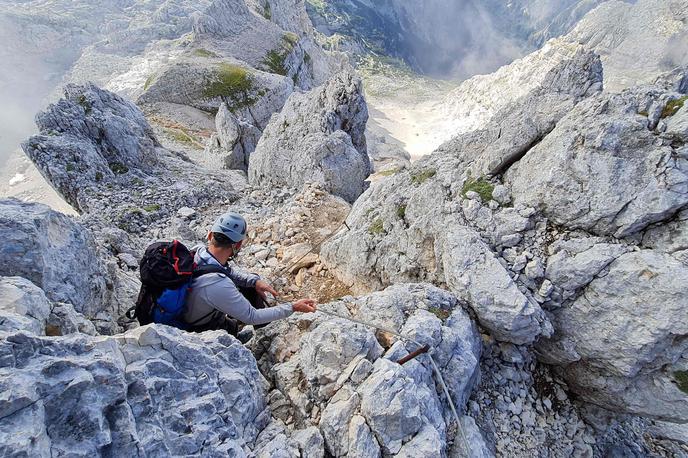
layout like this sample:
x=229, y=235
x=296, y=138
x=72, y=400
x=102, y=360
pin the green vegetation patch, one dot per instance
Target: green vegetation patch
x=672, y=107
x=152, y=208
x=439, y=312
x=149, y=81
x=180, y=136
x=401, y=211
x=318, y=5
x=267, y=11
x=118, y=168
x=274, y=60
x=421, y=176
x=483, y=187
x=389, y=172
x=85, y=104
x=234, y=83
x=204, y=53
x=681, y=378
x=376, y=227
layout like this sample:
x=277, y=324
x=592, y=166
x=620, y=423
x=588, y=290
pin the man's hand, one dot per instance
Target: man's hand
x=304, y=305
x=263, y=287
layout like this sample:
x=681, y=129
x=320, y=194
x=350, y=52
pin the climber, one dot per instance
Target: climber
x=221, y=300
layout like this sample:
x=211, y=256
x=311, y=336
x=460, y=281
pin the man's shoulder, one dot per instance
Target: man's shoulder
x=213, y=279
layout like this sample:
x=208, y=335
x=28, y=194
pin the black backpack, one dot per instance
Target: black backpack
x=166, y=270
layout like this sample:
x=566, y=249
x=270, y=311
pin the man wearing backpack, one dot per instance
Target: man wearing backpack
x=217, y=300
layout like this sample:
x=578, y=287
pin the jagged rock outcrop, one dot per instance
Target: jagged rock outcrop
x=93, y=144
x=55, y=253
x=99, y=152
x=524, y=122
x=234, y=141
x=318, y=136
x=475, y=101
x=333, y=386
x=89, y=138
x=411, y=226
x=207, y=81
x=622, y=339
x=25, y=307
x=636, y=40
x=344, y=378
x=151, y=391
x=610, y=168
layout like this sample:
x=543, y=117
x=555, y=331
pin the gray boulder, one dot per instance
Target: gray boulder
x=23, y=306
x=332, y=372
x=318, y=136
x=234, y=141
x=619, y=343
x=55, y=253
x=609, y=171
x=576, y=262
x=90, y=138
x=152, y=391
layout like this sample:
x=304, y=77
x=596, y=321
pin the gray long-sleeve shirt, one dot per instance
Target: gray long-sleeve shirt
x=216, y=291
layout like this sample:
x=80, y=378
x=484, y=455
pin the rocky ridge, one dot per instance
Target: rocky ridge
x=521, y=279
x=518, y=237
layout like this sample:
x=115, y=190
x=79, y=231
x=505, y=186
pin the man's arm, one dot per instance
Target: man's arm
x=225, y=296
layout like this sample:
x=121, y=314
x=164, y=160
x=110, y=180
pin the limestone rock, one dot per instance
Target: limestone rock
x=637, y=41
x=607, y=170
x=475, y=101
x=410, y=226
x=371, y=405
x=23, y=306
x=318, y=136
x=671, y=237
x=55, y=253
x=617, y=343
x=89, y=138
x=578, y=261
x=151, y=391
x=509, y=135
x=234, y=141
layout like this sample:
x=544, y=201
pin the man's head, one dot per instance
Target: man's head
x=227, y=235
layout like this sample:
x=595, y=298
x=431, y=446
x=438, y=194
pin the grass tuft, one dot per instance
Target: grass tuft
x=422, y=176
x=672, y=107
x=149, y=81
x=274, y=61
x=152, y=208
x=233, y=82
x=118, y=168
x=401, y=211
x=483, y=187
x=376, y=227
x=204, y=53
x=85, y=104
x=389, y=172
x=681, y=378
x=439, y=312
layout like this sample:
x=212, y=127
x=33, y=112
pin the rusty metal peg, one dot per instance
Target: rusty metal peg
x=413, y=354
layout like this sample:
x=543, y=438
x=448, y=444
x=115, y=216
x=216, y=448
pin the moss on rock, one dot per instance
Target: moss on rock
x=234, y=83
